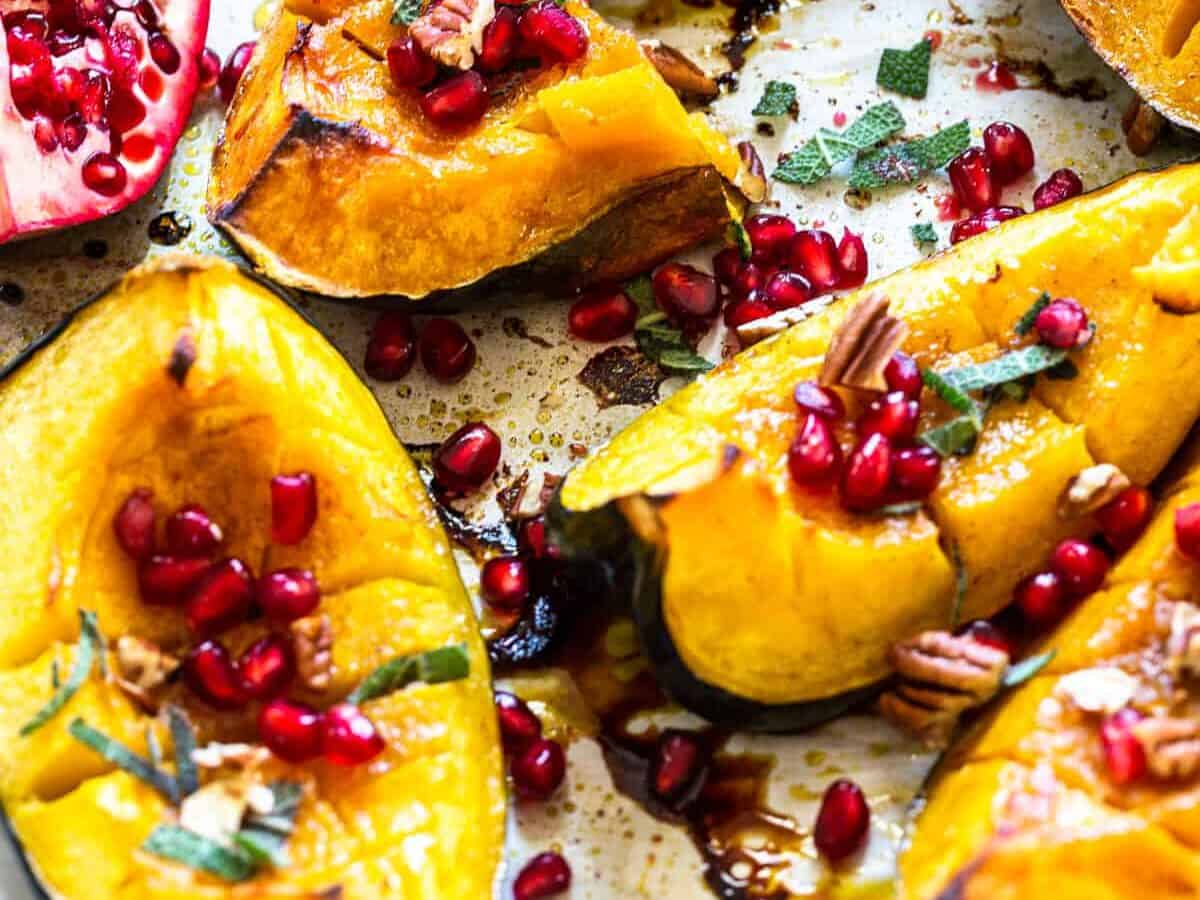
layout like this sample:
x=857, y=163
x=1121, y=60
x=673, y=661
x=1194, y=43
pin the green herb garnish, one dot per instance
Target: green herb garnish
x=923, y=233
x=897, y=509
x=906, y=71
x=153, y=748
x=405, y=12
x=183, y=737
x=450, y=663
x=906, y=162
x=1012, y=366
x=124, y=758
x=952, y=394
x=89, y=647
x=741, y=240
x=1026, y=669
x=665, y=345
x=778, y=99
x=961, y=582
x=198, y=852
x=265, y=837
x=939, y=149
x=816, y=158
x=954, y=438
x=1026, y=322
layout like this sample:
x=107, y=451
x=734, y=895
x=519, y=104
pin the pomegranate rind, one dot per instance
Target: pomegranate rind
x=41, y=193
x=603, y=171
x=390, y=588
x=739, y=555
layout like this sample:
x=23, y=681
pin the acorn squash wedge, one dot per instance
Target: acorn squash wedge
x=762, y=605
x=1024, y=805
x=331, y=179
x=1153, y=46
x=196, y=382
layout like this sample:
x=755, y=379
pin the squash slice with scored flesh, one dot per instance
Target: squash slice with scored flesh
x=331, y=179
x=763, y=605
x=1024, y=805
x=196, y=382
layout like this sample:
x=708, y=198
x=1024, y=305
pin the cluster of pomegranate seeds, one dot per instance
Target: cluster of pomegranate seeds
x=466, y=459
x=546, y=875
x=446, y=350
x=542, y=33
x=216, y=596
x=1076, y=568
x=1123, y=754
x=536, y=763
x=602, y=315
x=883, y=465
x=842, y=821
x=231, y=73
x=978, y=175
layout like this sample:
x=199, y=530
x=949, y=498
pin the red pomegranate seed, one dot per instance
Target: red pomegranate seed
x=1063, y=324
x=1080, y=565
x=209, y=69
x=164, y=54
x=63, y=42
x=96, y=93
x=538, y=770
x=210, y=674
x=852, y=260
x=821, y=401
x=293, y=507
x=104, y=174
x=893, y=415
x=1126, y=516
x=814, y=255
x=1041, y=598
x=726, y=265
x=553, y=33
x=973, y=181
x=349, y=738
x=743, y=311
x=190, y=532
x=981, y=631
x=234, y=69
x=467, y=459
x=546, y=875
x=409, y=65
x=458, y=102
x=684, y=292
x=679, y=769
x=223, y=598
x=1124, y=756
x=519, y=726
x=125, y=112
x=44, y=134
x=916, y=472
x=984, y=221
x=1061, y=185
x=842, y=821
x=447, y=353
x=1187, y=530
x=146, y=13
x=814, y=457
x=749, y=279
x=504, y=582
x=770, y=238
x=531, y=538
x=134, y=524
x=392, y=347
x=72, y=131
x=903, y=374
x=601, y=315
x=290, y=730
x=995, y=78
x=164, y=580
x=868, y=473
x=267, y=667
x=787, y=290
x=1010, y=151
x=934, y=38
x=287, y=594
x=501, y=38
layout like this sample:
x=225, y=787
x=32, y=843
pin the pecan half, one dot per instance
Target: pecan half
x=1183, y=641
x=863, y=345
x=1172, y=746
x=239, y=756
x=312, y=642
x=1089, y=490
x=216, y=810
x=451, y=31
x=940, y=676
x=1143, y=125
x=680, y=73
x=141, y=668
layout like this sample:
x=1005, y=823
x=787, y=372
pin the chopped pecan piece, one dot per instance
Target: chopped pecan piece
x=1172, y=746
x=1101, y=689
x=451, y=31
x=940, y=676
x=312, y=642
x=1089, y=490
x=1143, y=125
x=141, y=668
x=238, y=756
x=680, y=73
x=863, y=345
x=216, y=810
x=1183, y=641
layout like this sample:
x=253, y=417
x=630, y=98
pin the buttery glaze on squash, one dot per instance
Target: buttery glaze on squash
x=763, y=605
x=1023, y=806
x=92, y=414
x=331, y=179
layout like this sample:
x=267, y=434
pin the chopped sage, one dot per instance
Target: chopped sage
x=778, y=99
x=405, y=12
x=906, y=71
x=1024, y=670
x=264, y=837
x=1026, y=322
x=124, y=758
x=198, y=852
x=1012, y=366
x=183, y=737
x=89, y=647
x=961, y=582
x=741, y=240
x=955, y=438
x=897, y=509
x=923, y=233
x=954, y=396
x=451, y=663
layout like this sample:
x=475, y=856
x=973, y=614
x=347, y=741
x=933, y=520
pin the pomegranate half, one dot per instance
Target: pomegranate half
x=94, y=95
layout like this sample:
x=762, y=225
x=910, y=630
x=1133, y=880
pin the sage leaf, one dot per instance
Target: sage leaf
x=450, y=663
x=89, y=647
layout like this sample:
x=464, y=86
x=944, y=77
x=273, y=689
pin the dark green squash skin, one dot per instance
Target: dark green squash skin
x=635, y=568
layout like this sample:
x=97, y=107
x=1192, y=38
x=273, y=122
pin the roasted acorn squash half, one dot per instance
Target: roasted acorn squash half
x=1026, y=806
x=331, y=179
x=194, y=381
x=764, y=606
x=1153, y=46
